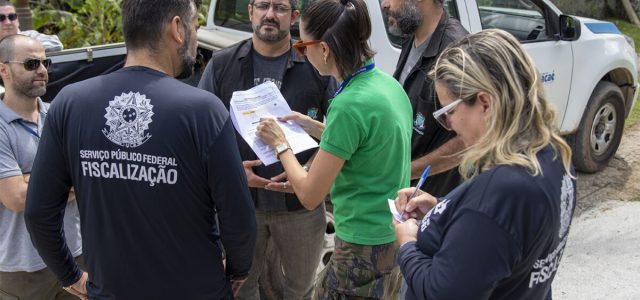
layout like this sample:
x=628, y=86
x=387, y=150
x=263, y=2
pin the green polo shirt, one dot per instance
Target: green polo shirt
x=369, y=126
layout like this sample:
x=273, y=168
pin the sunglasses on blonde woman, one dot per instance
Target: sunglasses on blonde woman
x=441, y=114
x=301, y=46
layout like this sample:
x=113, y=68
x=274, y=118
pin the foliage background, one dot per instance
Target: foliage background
x=83, y=23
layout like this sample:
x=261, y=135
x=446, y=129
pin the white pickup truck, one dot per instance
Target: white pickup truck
x=587, y=66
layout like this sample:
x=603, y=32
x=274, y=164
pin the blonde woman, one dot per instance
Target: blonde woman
x=501, y=234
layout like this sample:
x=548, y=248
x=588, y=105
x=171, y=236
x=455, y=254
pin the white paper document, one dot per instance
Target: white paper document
x=266, y=101
x=396, y=214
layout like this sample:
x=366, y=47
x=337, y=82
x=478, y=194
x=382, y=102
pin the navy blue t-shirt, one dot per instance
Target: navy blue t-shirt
x=152, y=161
x=500, y=235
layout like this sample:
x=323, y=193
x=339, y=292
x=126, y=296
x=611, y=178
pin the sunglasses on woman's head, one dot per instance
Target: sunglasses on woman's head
x=301, y=46
x=11, y=17
x=32, y=63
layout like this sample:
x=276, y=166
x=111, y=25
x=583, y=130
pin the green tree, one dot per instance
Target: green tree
x=80, y=23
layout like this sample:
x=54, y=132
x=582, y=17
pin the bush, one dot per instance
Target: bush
x=80, y=23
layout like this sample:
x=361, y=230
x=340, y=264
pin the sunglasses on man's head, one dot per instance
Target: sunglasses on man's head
x=11, y=17
x=301, y=46
x=32, y=64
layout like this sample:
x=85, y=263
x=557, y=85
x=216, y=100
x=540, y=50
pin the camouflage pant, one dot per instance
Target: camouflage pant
x=360, y=272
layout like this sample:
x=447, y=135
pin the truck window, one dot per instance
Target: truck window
x=396, y=40
x=522, y=18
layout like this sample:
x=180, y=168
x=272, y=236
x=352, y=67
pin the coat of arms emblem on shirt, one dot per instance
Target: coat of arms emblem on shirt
x=313, y=113
x=128, y=117
x=567, y=201
x=418, y=123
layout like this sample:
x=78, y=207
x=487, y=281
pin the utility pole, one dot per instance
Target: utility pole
x=24, y=14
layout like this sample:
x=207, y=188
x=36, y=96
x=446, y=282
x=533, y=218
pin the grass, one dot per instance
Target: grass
x=632, y=31
x=634, y=116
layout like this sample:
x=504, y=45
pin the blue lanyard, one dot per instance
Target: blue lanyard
x=346, y=81
x=31, y=131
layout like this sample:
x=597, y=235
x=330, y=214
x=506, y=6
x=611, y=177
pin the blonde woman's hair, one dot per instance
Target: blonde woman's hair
x=521, y=120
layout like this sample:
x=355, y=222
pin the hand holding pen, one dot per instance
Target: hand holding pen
x=414, y=203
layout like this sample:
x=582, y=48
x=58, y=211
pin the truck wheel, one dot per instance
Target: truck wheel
x=600, y=131
x=329, y=244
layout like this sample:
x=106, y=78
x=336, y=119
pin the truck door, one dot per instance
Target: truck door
x=534, y=24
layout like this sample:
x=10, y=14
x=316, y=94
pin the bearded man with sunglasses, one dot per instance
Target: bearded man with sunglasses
x=10, y=24
x=23, y=274
x=269, y=56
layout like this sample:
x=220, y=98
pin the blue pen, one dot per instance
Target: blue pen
x=423, y=178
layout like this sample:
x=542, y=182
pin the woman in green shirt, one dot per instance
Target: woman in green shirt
x=364, y=155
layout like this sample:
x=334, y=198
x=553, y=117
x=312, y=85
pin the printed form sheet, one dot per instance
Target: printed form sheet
x=266, y=101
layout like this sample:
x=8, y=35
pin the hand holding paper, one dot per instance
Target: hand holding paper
x=248, y=107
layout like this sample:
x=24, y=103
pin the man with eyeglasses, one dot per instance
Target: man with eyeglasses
x=23, y=274
x=428, y=30
x=9, y=24
x=282, y=220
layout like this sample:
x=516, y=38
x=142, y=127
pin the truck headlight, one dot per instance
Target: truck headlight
x=630, y=41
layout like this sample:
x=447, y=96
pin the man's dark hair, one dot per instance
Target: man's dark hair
x=143, y=21
x=345, y=26
x=6, y=3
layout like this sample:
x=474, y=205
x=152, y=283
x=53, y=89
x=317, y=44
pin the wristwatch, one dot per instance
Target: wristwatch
x=280, y=148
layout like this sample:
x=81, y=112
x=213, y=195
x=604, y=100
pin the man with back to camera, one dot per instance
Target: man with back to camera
x=23, y=274
x=153, y=161
x=429, y=30
x=10, y=24
x=269, y=56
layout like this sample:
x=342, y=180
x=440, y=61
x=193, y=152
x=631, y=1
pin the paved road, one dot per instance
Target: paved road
x=602, y=257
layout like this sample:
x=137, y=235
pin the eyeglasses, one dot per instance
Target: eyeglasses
x=11, y=17
x=277, y=8
x=32, y=64
x=301, y=46
x=441, y=114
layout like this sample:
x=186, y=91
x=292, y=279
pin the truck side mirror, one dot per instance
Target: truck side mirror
x=569, y=28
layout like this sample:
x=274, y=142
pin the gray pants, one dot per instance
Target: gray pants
x=298, y=238
x=38, y=285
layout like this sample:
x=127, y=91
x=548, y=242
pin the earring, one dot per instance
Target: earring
x=325, y=60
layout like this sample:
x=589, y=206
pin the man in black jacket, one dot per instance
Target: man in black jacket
x=152, y=161
x=282, y=220
x=429, y=30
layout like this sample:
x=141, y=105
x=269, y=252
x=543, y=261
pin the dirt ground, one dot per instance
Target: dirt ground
x=602, y=257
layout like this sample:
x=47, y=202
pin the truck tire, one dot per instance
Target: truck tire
x=600, y=131
x=328, y=244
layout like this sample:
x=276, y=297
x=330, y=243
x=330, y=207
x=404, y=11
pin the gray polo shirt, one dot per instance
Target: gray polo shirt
x=18, y=146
